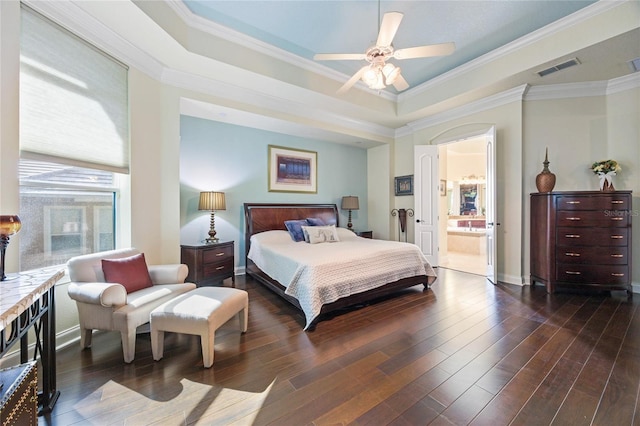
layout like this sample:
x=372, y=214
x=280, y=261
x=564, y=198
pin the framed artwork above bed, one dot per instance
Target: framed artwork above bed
x=292, y=170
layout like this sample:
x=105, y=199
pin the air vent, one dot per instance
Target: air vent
x=634, y=64
x=558, y=67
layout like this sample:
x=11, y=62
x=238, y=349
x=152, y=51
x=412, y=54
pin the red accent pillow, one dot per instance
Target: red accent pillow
x=131, y=272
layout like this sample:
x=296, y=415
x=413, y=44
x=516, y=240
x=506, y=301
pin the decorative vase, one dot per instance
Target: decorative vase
x=607, y=186
x=545, y=181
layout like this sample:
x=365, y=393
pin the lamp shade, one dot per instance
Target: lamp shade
x=9, y=225
x=350, y=202
x=211, y=200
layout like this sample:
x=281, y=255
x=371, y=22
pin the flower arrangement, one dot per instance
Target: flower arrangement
x=606, y=167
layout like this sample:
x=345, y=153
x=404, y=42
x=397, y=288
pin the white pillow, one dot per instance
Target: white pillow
x=275, y=236
x=320, y=234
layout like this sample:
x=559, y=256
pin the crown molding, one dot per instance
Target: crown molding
x=567, y=90
x=302, y=109
x=547, y=31
x=620, y=84
x=73, y=18
x=508, y=96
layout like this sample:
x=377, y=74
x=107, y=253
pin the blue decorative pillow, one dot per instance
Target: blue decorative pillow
x=295, y=229
x=315, y=221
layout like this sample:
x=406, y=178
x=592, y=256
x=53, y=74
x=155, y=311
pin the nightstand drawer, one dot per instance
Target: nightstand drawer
x=225, y=268
x=217, y=254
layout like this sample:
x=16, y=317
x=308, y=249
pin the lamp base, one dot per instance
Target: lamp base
x=211, y=240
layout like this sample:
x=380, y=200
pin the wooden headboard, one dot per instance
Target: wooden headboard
x=268, y=217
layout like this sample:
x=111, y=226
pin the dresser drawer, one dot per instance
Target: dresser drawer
x=592, y=219
x=600, y=202
x=217, y=254
x=571, y=237
x=593, y=255
x=593, y=274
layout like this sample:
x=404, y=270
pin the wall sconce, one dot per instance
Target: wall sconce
x=350, y=202
x=9, y=225
x=211, y=200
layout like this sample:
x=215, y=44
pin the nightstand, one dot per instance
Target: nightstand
x=364, y=234
x=209, y=264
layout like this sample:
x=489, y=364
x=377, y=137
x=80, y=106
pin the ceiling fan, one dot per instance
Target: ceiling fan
x=379, y=73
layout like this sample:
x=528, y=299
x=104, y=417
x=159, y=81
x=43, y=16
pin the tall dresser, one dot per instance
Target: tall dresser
x=581, y=239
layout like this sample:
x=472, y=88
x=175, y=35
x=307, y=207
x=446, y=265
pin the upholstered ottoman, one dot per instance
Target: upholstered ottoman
x=200, y=312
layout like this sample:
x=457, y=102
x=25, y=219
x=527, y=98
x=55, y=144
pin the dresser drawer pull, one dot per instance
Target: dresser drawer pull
x=220, y=254
x=219, y=268
x=617, y=218
x=573, y=273
x=573, y=202
x=574, y=218
x=572, y=235
x=617, y=255
x=617, y=202
x=572, y=254
x=613, y=274
x=617, y=237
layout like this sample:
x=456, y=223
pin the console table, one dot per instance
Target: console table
x=27, y=300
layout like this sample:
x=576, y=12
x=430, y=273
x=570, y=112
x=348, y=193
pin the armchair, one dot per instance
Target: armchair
x=108, y=306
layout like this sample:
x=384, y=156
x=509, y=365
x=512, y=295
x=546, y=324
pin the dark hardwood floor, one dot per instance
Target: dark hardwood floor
x=464, y=352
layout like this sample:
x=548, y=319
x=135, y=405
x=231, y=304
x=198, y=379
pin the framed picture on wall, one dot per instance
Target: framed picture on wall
x=443, y=188
x=404, y=185
x=292, y=170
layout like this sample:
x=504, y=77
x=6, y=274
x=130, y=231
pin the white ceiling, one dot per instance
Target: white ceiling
x=307, y=27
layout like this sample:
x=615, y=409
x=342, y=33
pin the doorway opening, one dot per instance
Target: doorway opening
x=463, y=200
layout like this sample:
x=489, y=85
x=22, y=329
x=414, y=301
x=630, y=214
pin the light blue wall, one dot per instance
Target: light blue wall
x=233, y=159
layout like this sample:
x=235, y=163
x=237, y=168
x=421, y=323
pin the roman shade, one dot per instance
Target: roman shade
x=73, y=99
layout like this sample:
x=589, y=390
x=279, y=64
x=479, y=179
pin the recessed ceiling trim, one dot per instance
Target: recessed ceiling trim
x=303, y=110
x=567, y=90
x=550, y=30
x=199, y=23
x=621, y=84
x=508, y=96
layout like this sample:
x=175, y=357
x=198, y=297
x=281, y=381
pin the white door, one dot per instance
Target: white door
x=426, y=196
x=491, y=219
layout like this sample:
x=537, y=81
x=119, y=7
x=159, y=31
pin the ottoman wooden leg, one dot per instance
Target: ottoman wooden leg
x=157, y=344
x=207, y=339
x=244, y=318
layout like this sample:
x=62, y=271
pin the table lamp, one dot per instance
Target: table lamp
x=211, y=200
x=9, y=225
x=350, y=202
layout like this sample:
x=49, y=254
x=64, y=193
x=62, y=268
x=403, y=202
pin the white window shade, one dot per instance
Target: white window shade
x=73, y=99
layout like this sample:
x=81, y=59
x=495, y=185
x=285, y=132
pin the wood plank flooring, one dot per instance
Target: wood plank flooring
x=464, y=352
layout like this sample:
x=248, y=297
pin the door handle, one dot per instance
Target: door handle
x=418, y=221
x=491, y=224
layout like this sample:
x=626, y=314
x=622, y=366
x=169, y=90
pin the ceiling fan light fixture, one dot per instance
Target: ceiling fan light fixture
x=373, y=78
x=391, y=73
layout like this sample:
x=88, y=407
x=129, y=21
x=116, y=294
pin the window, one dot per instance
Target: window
x=65, y=211
x=73, y=143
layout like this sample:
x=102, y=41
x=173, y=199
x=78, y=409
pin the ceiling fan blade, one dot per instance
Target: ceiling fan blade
x=442, y=49
x=400, y=84
x=339, y=56
x=390, y=23
x=353, y=80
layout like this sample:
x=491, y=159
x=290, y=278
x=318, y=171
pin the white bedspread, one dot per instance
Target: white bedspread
x=317, y=274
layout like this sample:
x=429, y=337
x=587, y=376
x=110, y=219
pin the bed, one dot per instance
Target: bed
x=261, y=219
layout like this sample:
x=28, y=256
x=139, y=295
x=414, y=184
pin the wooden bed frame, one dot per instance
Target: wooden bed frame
x=267, y=217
